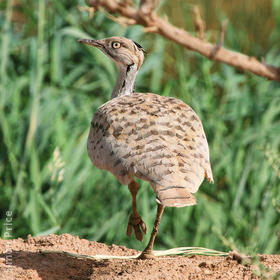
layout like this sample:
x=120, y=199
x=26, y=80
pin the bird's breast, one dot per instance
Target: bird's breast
x=153, y=137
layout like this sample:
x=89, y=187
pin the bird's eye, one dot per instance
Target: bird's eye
x=116, y=45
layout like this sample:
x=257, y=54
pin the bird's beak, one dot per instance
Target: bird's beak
x=90, y=42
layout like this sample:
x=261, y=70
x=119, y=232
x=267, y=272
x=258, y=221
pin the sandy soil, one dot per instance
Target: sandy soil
x=29, y=260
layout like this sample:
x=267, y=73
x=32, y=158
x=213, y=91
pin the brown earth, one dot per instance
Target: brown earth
x=29, y=260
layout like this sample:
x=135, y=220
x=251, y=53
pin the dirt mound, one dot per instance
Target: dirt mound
x=37, y=258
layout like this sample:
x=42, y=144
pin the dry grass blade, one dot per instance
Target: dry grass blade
x=187, y=251
x=190, y=251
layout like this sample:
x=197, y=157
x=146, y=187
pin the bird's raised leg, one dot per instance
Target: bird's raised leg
x=148, y=251
x=135, y=221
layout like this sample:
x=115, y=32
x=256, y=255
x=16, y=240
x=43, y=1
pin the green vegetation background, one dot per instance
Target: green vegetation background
x=51, y=86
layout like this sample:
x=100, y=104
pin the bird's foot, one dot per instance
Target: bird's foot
x=146, y=255
x=135, y=222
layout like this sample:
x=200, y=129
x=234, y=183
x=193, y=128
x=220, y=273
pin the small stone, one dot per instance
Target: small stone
x=202, y=264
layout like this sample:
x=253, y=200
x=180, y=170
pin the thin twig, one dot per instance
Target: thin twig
x=120, y=20
x=147, y=6
x=221, y=40
x=222, y=34
x=90, y=10
x=199, y=23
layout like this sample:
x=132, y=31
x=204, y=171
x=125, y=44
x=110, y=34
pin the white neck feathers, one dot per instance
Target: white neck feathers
x=125, y=82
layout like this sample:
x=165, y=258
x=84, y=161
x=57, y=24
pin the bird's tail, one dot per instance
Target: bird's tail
x=174, y=196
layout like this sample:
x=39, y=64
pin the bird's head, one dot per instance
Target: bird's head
x=124, y=52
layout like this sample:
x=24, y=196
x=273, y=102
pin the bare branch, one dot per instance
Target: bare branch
x=152, y=22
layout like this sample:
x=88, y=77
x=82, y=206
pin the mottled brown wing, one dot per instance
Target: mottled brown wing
x=158, y=139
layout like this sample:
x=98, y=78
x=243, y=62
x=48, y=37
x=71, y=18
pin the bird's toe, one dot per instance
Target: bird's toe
x=136, y=223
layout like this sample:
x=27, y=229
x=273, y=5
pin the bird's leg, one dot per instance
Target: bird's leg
x=135, y=221
x=148, y=251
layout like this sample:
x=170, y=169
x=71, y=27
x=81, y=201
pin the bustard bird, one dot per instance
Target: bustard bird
x=155, y=138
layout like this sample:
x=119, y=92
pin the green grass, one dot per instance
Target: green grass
x=50, y=88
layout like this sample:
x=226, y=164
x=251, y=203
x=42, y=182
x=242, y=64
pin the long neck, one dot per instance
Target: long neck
x=125, y=82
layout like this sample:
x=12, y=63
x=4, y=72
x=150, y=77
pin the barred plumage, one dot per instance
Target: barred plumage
x=155, y=138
